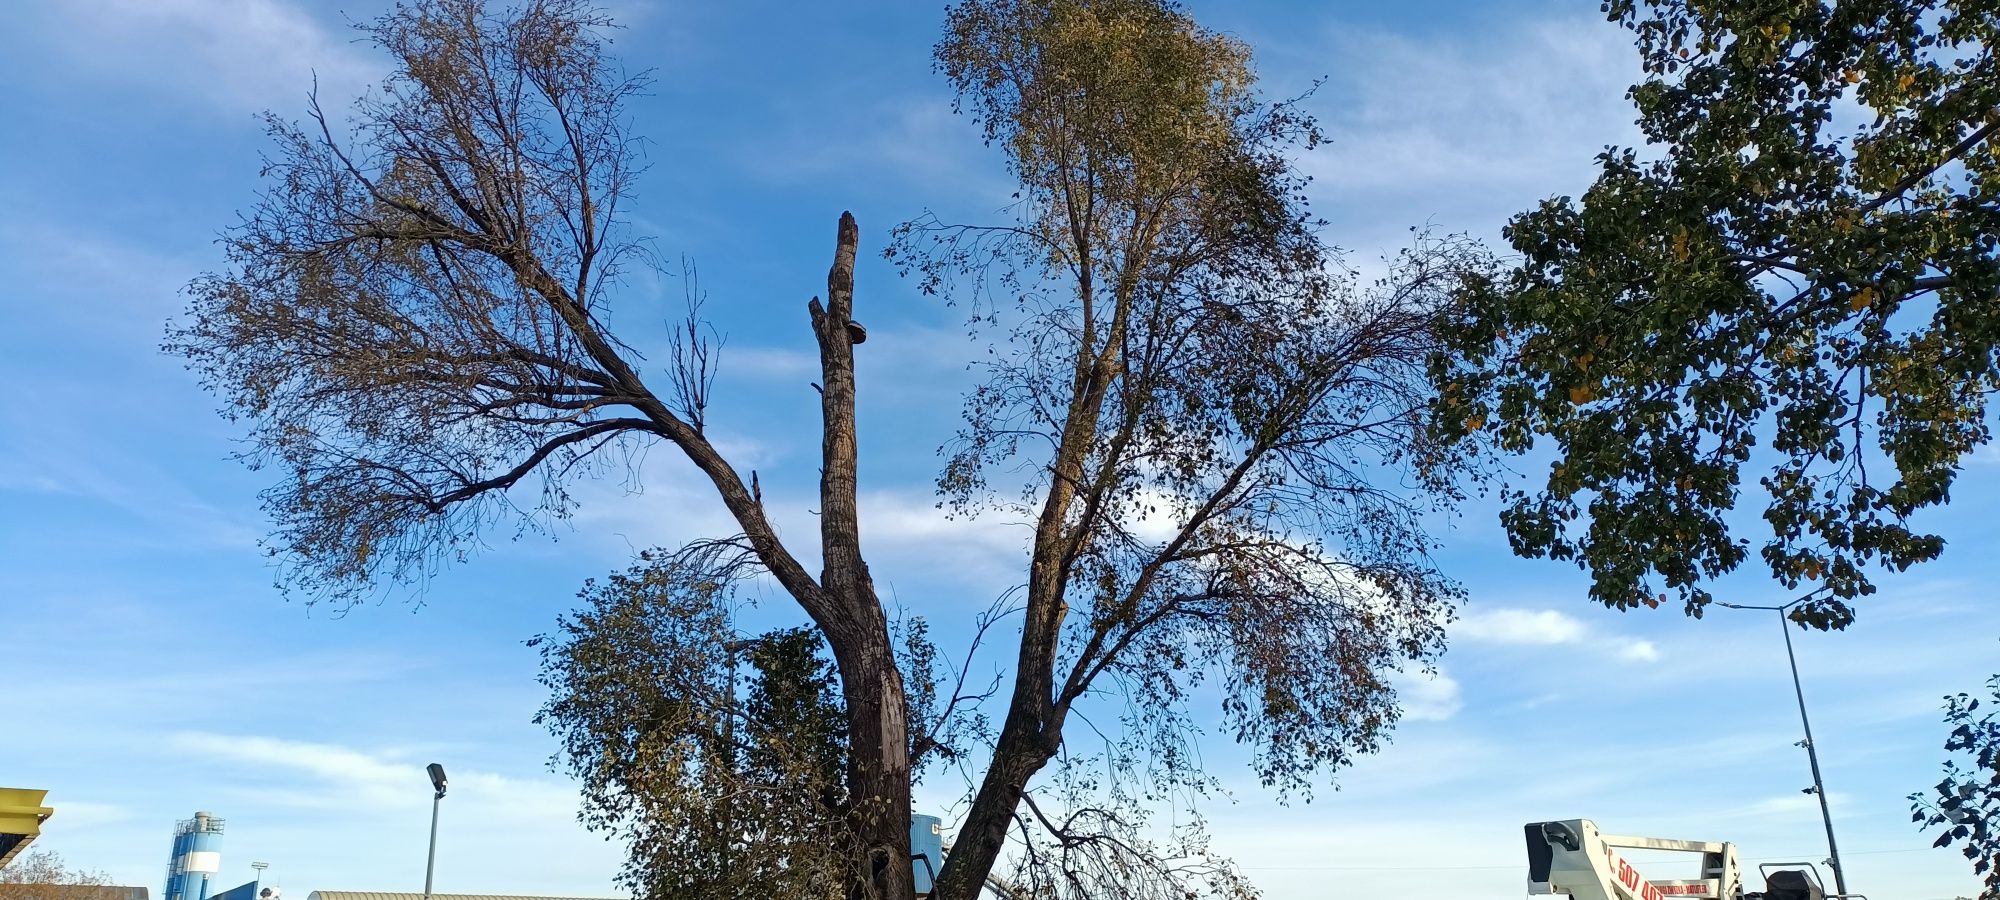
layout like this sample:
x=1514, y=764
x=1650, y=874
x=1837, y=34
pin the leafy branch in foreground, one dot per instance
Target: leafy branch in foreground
x=1965, y=804
x=1804, y=258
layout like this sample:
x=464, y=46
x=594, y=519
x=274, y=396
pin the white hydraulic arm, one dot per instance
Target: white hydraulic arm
x=1572, y=857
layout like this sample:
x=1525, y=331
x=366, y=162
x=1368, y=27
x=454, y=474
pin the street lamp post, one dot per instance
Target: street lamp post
x=260, y=867
x=1812, y=752
x=437, y=781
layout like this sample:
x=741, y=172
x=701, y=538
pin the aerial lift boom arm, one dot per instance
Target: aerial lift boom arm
x=1572, y=857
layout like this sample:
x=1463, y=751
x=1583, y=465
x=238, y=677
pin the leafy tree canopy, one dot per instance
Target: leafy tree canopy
x=1803, y=258
x=718, y=757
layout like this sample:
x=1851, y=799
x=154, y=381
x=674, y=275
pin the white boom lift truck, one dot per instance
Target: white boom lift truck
x=1572, y=857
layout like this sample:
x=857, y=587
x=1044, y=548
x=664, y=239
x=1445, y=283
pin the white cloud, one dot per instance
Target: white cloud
x=1520, y=626
x=1159, y=517
x=1639, y=651
x=1430, y=697
x=1506, y=626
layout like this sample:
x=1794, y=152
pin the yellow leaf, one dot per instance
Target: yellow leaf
x=1475, y=423
x=1853, y=76
x=1863, y=299
x=1582, y=394
x=1583, y=362
x=1681, y=243
x=1904, y=82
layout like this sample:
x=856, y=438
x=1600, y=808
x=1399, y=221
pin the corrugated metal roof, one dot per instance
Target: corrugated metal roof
x=385, y=895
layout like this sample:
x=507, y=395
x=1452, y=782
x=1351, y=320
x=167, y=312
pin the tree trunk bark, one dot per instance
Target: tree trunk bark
x=878, y=769
x=878, y=754
x=1018, y=755
x=1033, y=731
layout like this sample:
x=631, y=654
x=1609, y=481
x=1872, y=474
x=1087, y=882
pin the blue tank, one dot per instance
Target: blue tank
x=926, y=849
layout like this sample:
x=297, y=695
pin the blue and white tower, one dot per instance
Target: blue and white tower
x=197, y=857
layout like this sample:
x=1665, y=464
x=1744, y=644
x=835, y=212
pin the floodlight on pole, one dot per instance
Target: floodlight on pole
x=1812, y=752
x=430, y=863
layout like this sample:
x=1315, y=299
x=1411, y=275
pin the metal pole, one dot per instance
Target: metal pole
x=1812, y=755
x=431, y=863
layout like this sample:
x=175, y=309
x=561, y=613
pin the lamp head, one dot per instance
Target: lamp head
x=437, y=777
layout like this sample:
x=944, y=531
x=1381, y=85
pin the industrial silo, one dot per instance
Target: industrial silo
x=197, y=857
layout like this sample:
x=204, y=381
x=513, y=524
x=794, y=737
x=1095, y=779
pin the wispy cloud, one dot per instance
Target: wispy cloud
x=1784, y=807
x=353, y=776
x=235, y=56
x=110, y=288
x=85, y=814
x=917, y=138
x=505, y=822
x=332, y=776
x=762, y=363
x=1462, y=131
x=157, y=507
x=1522, y=109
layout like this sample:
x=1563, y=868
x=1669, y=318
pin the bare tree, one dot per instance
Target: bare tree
x=42, y=875
x=1227, y=464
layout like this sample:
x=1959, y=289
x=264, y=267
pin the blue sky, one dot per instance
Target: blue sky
x=160, y=673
